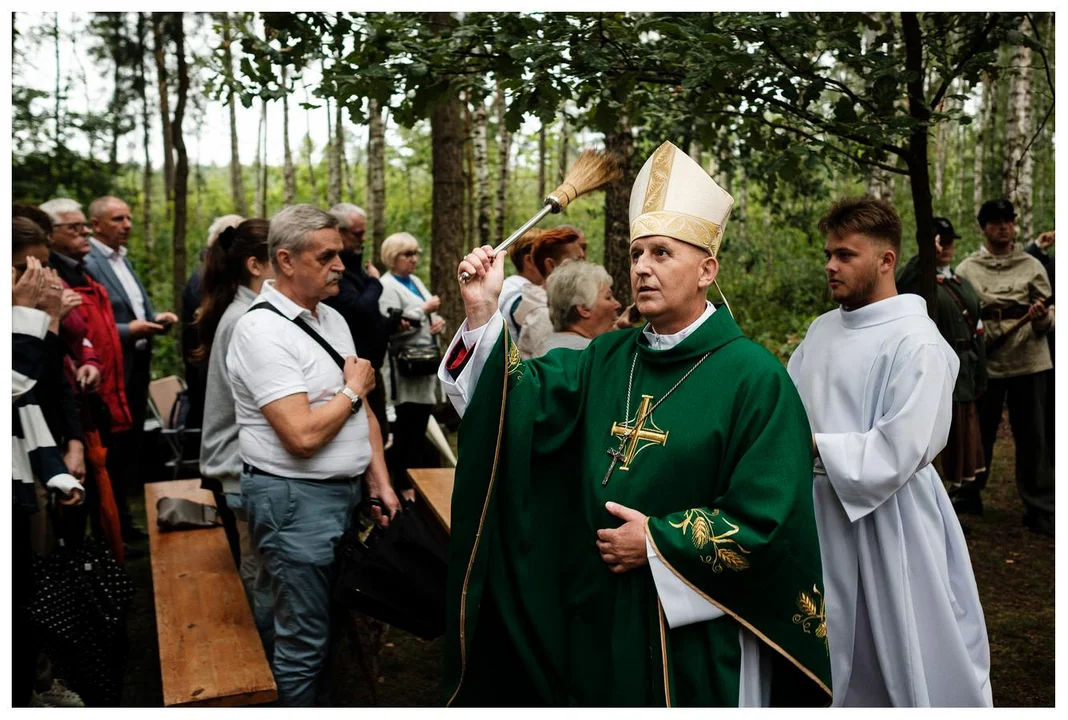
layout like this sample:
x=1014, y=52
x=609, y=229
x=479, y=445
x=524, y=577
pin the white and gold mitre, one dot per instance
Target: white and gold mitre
x=674, y=196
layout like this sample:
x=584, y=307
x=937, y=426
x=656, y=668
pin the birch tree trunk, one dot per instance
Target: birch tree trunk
x=181, y=170
x=333, y=167
x=542, y=190
x=1019, y=162
x=504, y=147
x=376, y=177
x=158, y=19
x=146, y=129
x=617, y=210
x=482, y=196
x=307, y=147
x=260, y=165
x=237, y=179
x=982, y=138
x=565, y=140
x=289, y=175
x=339, y=147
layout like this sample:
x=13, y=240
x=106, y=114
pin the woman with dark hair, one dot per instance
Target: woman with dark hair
x=234, y=270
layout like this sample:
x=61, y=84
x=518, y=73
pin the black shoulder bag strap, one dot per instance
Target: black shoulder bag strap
x=334, y=355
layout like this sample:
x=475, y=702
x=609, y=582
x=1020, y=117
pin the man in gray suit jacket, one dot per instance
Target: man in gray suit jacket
x=137, y=323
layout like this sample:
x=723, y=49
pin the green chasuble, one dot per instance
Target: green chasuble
x=723, y=470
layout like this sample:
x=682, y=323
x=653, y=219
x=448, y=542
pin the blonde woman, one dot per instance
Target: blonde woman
x=412, y=384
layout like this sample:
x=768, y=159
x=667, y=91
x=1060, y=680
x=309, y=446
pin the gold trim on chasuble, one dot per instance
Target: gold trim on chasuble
x=631, y=432
x=701, y=525
x=485, y=508
x=741, y=621
x=663, y=652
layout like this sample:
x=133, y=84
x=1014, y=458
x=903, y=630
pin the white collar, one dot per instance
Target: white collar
x=946, y=271
x=883, y=311
x=666, y=342
x=108, y=252
x=288, y=307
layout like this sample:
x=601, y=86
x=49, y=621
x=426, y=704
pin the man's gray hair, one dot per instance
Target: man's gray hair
x=60, y=206
x=291, y=226
x=574, y=283
x=99, y=206
x=344, y=212
x=220, y=224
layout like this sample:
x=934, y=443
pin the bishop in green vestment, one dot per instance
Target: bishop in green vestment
x=632, y=523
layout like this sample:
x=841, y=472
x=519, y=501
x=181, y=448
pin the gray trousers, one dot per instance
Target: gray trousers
x=296, y=525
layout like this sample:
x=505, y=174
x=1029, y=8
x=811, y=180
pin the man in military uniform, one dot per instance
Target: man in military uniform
x=1013, y=286
x=957, y=316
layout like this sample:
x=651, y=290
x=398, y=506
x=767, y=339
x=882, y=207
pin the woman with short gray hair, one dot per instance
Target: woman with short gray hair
x=581, y=305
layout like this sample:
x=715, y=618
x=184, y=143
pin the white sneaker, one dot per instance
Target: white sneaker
x=59, y=695
x=38, y=701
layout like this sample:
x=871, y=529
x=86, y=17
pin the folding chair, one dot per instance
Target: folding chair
x=165, y=398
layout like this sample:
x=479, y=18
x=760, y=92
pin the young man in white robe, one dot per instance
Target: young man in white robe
x=904, y=621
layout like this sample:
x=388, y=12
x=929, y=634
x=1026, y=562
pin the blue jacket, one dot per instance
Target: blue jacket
x=97, y=265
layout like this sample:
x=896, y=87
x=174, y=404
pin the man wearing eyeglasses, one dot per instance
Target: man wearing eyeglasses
x=69, y=242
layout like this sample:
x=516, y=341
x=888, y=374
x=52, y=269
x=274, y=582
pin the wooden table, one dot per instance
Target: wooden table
x=434, y=485
x=209, y=650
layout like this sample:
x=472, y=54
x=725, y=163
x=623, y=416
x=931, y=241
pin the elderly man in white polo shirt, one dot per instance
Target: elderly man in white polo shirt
x=305, y=437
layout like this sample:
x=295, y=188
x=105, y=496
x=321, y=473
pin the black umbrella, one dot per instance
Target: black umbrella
x=396, y=574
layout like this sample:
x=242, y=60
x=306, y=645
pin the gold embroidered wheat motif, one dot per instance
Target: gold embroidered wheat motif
x=813, y=612
x=701, y=527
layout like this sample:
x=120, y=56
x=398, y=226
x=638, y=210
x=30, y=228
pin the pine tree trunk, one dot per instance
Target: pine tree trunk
x=158, y=19
x=446, y=222
x=116, y=43
x=376, y=177
x=146, y=129
x=917, y=160
x=469, y=173
x=289, y=175
x=237, y=180
x=542, y=190
x=482, y=196
x=504, y=147
x=1019, y=161
x=181, y=170
x=617, y=211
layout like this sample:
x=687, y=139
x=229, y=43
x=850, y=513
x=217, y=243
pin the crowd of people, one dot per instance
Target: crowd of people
x=312, y=376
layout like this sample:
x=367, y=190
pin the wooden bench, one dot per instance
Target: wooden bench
x=434, y=486
x=209, y=650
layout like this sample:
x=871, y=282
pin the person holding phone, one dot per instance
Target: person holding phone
x=137, y=324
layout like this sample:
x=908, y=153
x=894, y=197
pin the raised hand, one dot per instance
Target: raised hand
x=481, y=291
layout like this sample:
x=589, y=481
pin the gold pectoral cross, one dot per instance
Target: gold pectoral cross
x=630, y=433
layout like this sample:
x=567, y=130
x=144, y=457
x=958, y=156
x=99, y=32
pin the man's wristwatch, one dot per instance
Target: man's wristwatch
x=353, y=398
